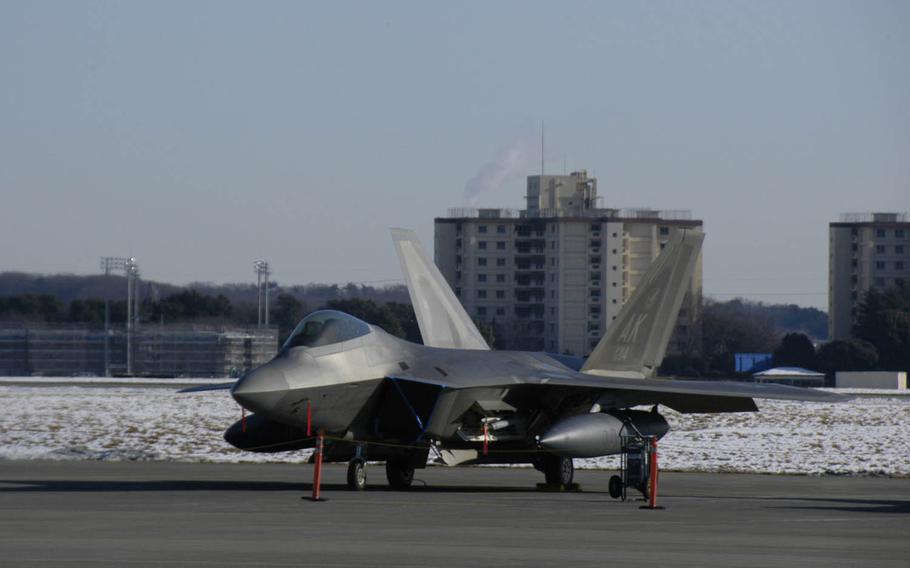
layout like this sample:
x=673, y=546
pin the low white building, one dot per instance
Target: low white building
x=796, y=376
x=871, y=380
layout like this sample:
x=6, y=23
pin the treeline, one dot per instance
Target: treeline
x=193, y=306
x=880, y=341
x=69, y=287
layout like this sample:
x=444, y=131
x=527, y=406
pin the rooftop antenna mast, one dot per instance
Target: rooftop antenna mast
x=541, y=147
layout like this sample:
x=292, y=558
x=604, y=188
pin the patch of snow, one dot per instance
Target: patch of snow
x=111, y=381
x=867, y=435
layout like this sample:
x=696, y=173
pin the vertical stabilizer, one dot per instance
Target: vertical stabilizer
x=441, y=317
x=637, y=339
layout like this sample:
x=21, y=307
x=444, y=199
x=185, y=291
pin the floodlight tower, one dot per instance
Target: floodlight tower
x=262, y=285
x=108, y=264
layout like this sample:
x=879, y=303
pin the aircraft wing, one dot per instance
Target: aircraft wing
x=440, y=316
x=683, y=396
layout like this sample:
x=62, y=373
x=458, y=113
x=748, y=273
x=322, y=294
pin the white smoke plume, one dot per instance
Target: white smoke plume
x=512, y=162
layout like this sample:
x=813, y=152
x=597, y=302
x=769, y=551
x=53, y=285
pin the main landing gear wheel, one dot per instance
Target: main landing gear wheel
x=399, y=474
x=558, y=470
x=357, y=474
x=615, y=487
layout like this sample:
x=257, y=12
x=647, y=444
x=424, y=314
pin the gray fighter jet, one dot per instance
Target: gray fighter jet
x=380, y=398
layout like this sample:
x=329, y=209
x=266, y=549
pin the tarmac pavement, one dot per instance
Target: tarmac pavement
x=137, y=514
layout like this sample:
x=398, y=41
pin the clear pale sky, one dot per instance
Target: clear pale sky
x=200, y=136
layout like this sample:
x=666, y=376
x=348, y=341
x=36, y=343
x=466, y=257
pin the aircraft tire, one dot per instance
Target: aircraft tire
x=399, y=474
x=615, y=487
x=357, y=475
x=558, y=470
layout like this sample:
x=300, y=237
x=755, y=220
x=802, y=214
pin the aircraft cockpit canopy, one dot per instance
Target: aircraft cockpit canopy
x=326, y=327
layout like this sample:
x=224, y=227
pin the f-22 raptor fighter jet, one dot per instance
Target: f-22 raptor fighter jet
x=377, y=397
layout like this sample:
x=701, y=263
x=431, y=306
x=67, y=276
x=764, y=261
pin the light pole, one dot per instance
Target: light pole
x=132, y=309
x=131, y=268
x=262, y=277
x=109, y=263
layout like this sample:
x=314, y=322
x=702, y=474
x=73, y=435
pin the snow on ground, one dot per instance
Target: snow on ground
x=867, y=435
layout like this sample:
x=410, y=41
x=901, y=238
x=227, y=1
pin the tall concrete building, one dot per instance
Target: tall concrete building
x=554, y=275
x=866, y=251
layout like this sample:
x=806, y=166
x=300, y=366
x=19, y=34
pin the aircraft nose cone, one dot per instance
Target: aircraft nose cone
x=260, y=389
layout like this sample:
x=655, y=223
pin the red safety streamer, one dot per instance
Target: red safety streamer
x=309, y=420
x=486, y=441
x=652, y=494
x=317, y=471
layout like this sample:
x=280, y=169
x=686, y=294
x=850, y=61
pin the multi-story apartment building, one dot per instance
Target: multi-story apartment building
x=554, y=275
x=866, y=251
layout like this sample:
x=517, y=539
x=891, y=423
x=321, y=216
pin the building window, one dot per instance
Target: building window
x=664, y=231
x=899, y=233
x=500, y=277
x=481, y=294
x=458, y=292
x=879, y=281
x=552, y=294
x=899, y=249
x=899, y=265
x=853, y=263
x=482, y=245
x=500, y=311
x=481, y=277
x=501, y=229
x=879, y=249
x=663, y=246
x=614, y=267
x=614, y=301
x=501, y=245
x=880, y=233
x=500, y=294
x=855, y=247
x=481, y=311
x=500, y=262
x=481, y=261
x=879, y=265
x=614, y=284
x=614, y=235
x=614, y=251
x=481, y=228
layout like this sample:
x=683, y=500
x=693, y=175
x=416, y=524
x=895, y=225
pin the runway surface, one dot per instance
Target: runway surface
x=176, y=514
